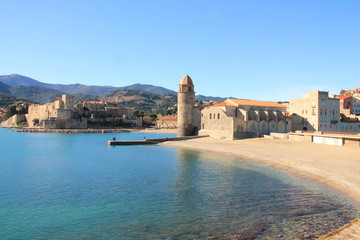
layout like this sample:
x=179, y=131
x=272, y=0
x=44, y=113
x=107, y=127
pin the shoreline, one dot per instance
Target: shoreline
x=333, y=166
x=95, y=130
x=289, y=160
x=75, y=131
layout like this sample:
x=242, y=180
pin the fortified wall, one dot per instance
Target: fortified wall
x=57, y=115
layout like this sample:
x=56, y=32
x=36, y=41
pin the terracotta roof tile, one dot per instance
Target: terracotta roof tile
x=240, y=102
x=169, y=119
x=341, y=96
x=223, y=104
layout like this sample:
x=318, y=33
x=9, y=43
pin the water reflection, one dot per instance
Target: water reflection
x=237, y=200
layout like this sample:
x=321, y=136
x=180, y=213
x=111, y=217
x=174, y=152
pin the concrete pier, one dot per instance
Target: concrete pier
x=151, y=141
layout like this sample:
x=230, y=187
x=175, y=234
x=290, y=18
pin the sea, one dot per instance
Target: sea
x=76, y=186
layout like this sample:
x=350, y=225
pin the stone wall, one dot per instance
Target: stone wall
x=14, y=121
x=166, y=124
x=65, y=124
x=215, y=123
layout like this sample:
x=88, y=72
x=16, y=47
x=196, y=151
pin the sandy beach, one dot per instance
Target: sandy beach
x=337, y=167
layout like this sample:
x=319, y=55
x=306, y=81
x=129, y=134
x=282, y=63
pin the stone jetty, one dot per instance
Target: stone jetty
x=35, y=130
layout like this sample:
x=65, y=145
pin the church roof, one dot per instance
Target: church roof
x=239, y=102
x=223, y=104
x=186, y=80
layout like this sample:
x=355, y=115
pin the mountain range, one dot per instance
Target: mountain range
x=23, y=87
x=19, y=80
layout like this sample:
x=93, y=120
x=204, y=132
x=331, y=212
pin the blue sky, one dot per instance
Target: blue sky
x=261, y=50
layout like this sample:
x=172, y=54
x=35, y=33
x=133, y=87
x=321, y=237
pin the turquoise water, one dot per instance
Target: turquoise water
x=74, y=186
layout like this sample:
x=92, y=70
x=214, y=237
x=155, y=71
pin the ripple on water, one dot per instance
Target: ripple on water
x=77, y=187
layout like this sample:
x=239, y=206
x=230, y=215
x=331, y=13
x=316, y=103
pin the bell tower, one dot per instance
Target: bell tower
x=186, y=101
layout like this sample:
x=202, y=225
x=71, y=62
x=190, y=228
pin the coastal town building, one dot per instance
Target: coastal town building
x=58, y=114
x=236, y=118
x=230, y=119
x=103, y=109
x=168, y=122
x=349, y=105
x=353, y=92
x=316, y=111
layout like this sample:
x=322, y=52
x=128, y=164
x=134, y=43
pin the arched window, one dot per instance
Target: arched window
x=203, y=126
x=210, y=115
x=218, y=115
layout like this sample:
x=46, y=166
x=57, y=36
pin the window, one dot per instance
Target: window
x=333, y=103
x=203, y=126
x=321, y=119
x=320, y=111
x=323, y=103
x=325, y=111
x=218, y=115
x=210, y=115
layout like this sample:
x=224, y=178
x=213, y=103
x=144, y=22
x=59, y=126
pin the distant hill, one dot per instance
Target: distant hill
x=39, y=94
x=6, y=100
x=19, y=80
x=140, y=99
x=4, y=88
x=35, y=94
x=31, y=89
x=202, y=97
x=149, y=88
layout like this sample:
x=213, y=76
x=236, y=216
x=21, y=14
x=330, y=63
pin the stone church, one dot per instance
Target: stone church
x=188, y=116
x=231, y=119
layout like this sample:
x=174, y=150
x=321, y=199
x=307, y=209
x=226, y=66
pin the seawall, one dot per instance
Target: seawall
x=34, y=130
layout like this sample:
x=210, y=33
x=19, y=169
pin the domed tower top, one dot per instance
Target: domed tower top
x=186, y=80
x=186, y=84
